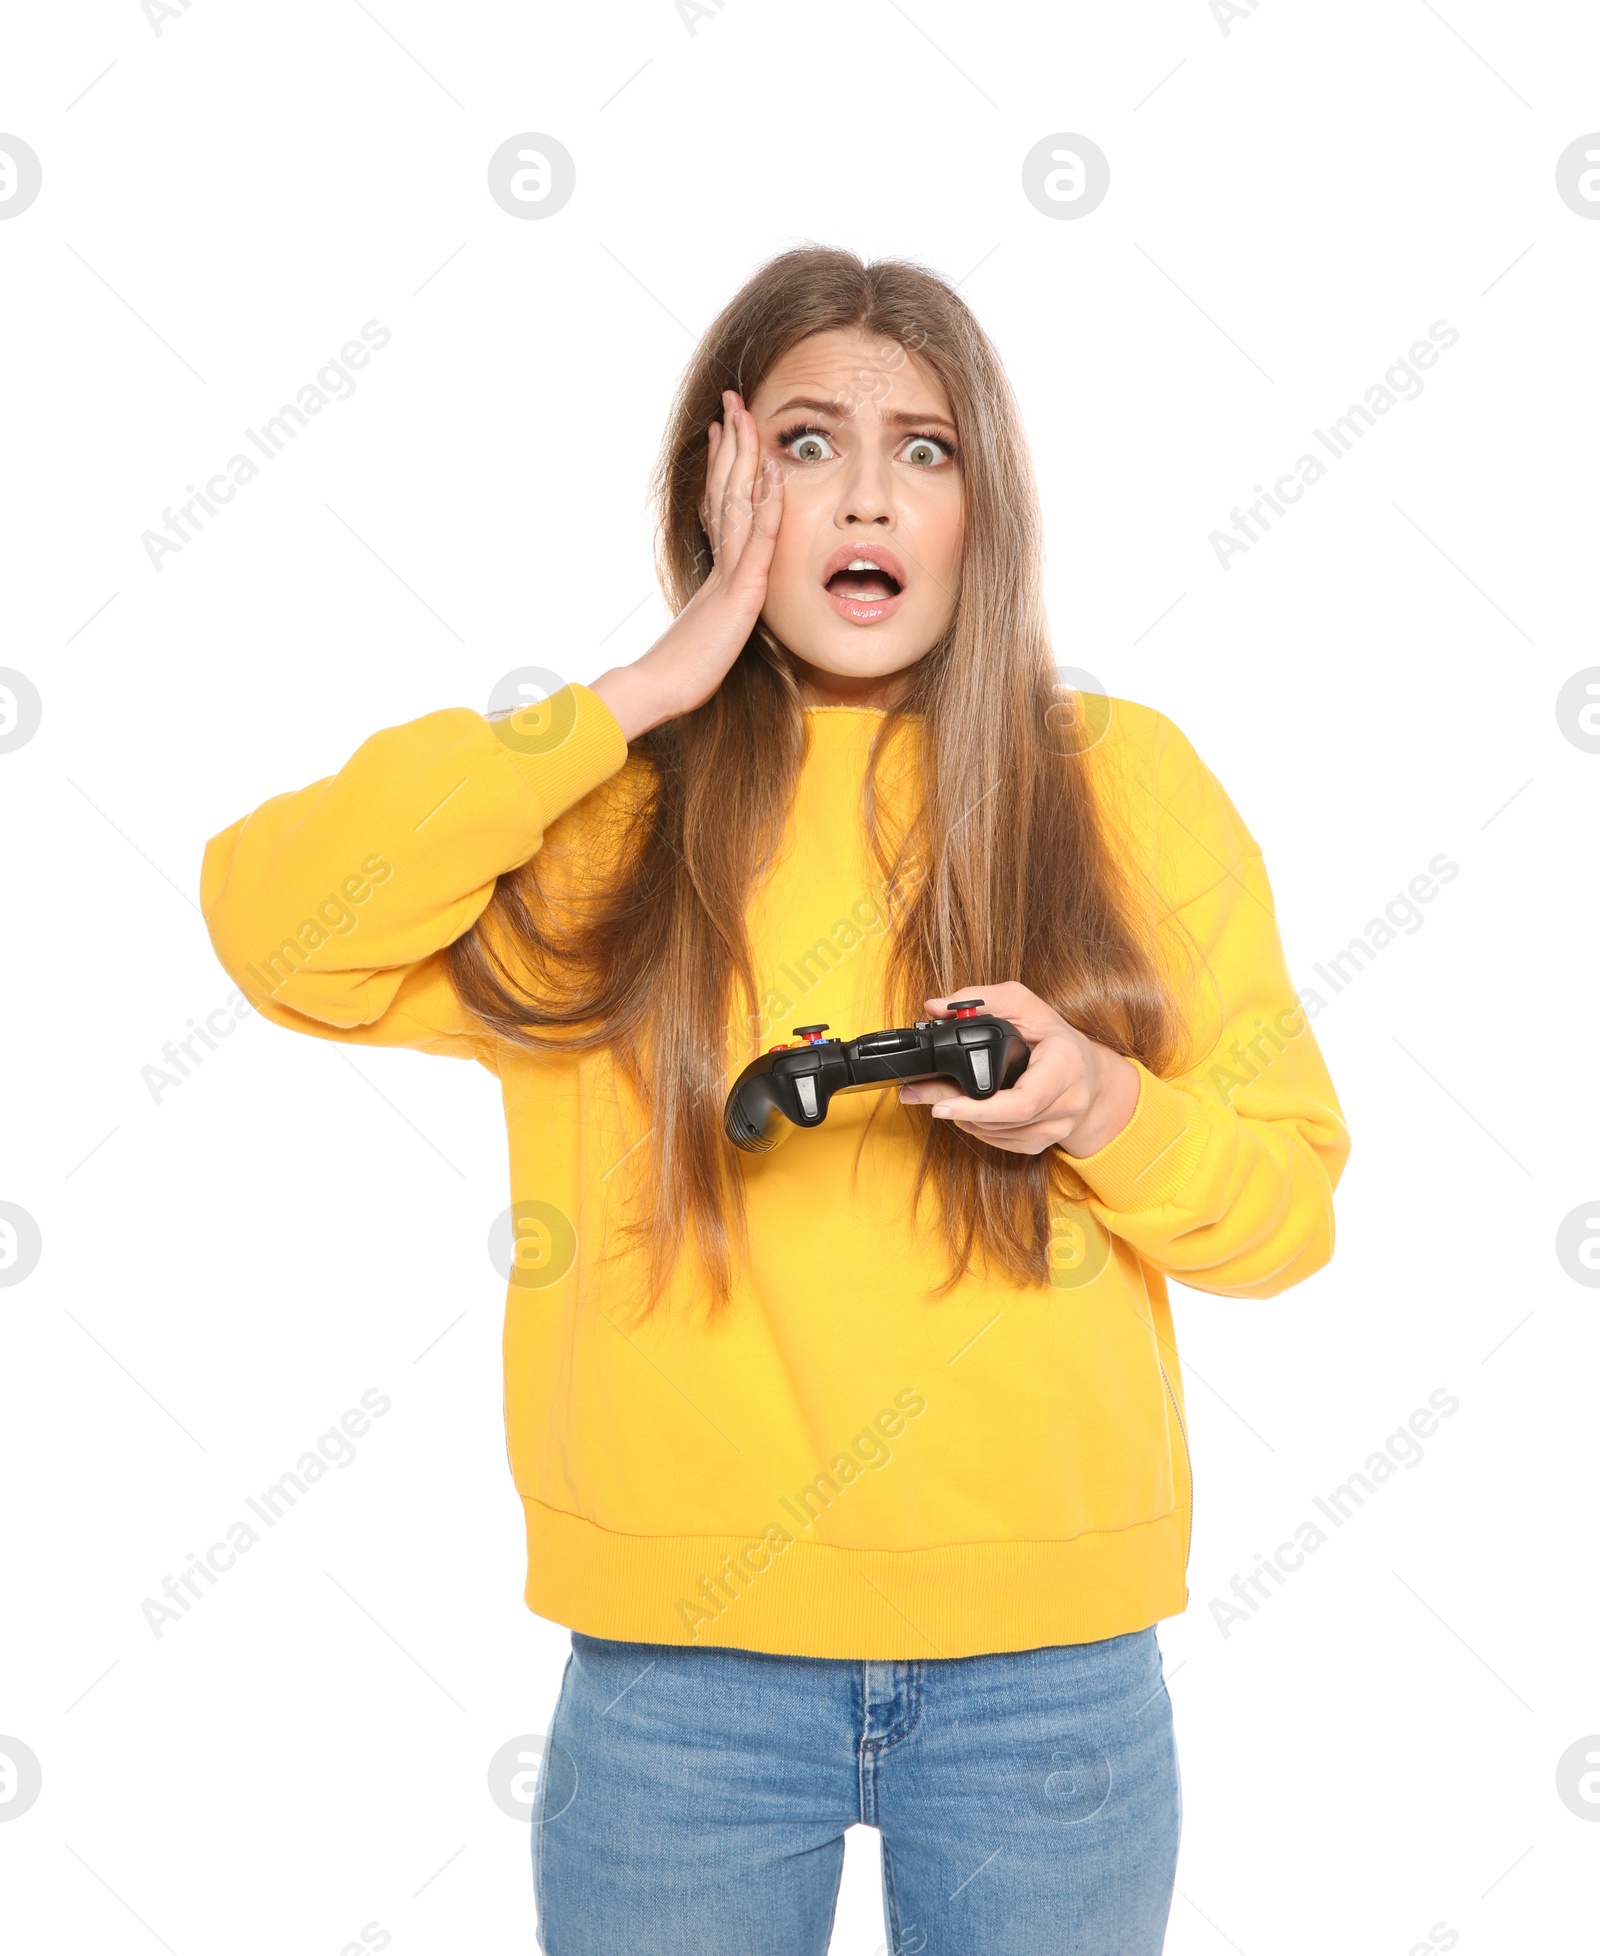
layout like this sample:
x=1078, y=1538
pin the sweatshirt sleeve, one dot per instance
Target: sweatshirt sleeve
x=331, y=907
x=1224, y=1177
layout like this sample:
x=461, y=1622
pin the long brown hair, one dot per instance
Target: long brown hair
x=1004, y=867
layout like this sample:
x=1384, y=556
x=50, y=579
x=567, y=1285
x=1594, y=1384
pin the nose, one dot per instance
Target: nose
x=866, y=490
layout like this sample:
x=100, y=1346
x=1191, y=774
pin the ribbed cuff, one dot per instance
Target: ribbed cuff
x=581, y=755
x=1151, y=1160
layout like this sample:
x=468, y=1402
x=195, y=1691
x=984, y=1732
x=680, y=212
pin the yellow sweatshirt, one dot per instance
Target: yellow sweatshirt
x=842, y=1466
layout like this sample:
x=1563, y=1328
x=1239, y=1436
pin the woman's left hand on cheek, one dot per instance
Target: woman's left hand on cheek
x=1075, y=1091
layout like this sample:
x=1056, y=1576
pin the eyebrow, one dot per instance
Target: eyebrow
x=836, y=413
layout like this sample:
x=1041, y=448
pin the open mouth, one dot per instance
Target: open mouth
x=864, y=582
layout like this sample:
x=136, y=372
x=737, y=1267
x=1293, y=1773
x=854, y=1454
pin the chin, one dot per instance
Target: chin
x=855, y=651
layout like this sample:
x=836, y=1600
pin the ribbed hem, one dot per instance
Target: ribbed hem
x=592, y=749
x=1152, y=1159
x=812, y=1600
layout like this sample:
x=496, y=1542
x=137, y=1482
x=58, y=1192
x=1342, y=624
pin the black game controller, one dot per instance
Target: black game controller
x=976, y=1052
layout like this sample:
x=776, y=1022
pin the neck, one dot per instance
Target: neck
x=819, y=688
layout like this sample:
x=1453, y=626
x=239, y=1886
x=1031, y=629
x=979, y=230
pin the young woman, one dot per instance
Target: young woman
x=858, y=1469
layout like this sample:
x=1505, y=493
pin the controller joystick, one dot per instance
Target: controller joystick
x=792, y=1086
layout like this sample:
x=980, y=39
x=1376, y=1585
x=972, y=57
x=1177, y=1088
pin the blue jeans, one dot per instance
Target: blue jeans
x=695, y=1800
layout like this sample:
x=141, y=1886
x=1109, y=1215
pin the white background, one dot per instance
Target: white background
x=1293, y=202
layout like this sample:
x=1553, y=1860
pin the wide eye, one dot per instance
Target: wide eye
x=809, y=445
x=924, y=452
